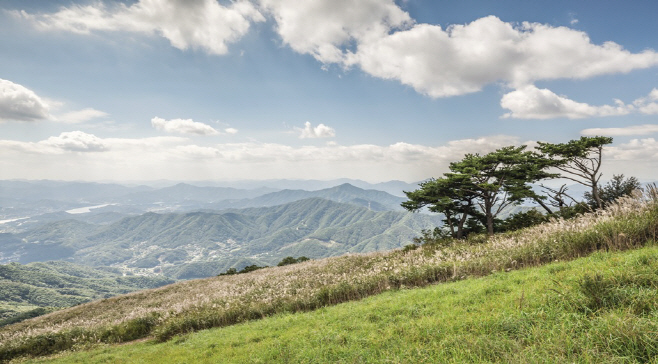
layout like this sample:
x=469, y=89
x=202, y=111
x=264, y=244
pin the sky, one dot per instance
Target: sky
x=318, y=89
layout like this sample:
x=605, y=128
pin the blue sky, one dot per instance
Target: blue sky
x=323, y=89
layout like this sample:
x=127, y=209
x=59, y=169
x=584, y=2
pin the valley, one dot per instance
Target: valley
x=185, y=231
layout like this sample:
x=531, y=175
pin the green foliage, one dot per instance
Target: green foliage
x=61, y=284
x=500, y=178
x=570, y=212
x=480, y=187
x=250, y=268
x=447, y=196
x=229, y=272
x=435, y=237
x=18, y=317
x=247, y=269
x=522, y=220
x=291, y=260
x=581, y=161
x=616, y=188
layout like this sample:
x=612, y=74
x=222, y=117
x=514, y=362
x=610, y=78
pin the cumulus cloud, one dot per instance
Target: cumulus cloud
x=321, y=28
x=530, y=102
x=625, y=131
x=203, y=24
x=18, y=103
x=636, y=150
x=320, y=131
x=464, y=58
x=649, y=104
x=73, y=141
x=183, y=126
x=376, y=36
x=382, y=40
x=81, y=116
x=76, y=141
x=231, y=131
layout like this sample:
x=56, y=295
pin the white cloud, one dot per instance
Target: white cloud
x=625, y=131
x=71, y=156
x=530, y=102
x=231, y=131
x=321, y=28
x=204, y=24
x=73, y=141
x=183, y=126
x=76, y=141
x=320, y=131
x=464, y=58
x=81, y=116
x=649, y=104
x=18, y=103
x=376, y=36
x=637, y=150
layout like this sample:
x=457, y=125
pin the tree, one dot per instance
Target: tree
x=615, y=188
x=500, y=178
x=580, y=160
x=446, y=196
x=478, y=188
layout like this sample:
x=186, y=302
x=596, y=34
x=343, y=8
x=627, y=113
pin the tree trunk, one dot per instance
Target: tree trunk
x=460, y=228
x=490, y=220
x=595, y=193
x=452, y=227
x=542, y=204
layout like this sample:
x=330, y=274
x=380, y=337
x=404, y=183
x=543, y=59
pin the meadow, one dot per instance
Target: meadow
x=173, y=311
x=598, y=309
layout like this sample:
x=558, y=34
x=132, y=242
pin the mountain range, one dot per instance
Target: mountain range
x=25, y=205
x=202, y=243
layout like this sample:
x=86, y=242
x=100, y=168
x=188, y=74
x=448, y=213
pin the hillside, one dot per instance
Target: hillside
x=61, y=284
x=200, y=244
x=184, y=307
x=546, y=314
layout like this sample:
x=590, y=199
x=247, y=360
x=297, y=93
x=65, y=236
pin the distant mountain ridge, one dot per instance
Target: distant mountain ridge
x=184, y=192
x=110, y=207
x=155, y=242
x=345, y=193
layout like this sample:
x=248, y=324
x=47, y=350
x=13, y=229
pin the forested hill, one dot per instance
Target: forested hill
x=205, y=243
x=50, y=285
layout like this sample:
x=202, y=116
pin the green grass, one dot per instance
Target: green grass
x=598, y=309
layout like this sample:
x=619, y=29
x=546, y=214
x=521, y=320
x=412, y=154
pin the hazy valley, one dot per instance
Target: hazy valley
x=185, y=231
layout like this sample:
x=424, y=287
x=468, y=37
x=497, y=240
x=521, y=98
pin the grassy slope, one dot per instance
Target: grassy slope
x=556, y=313
x=177, y=309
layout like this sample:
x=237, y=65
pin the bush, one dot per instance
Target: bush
x=291, y=260
x=522, y=220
